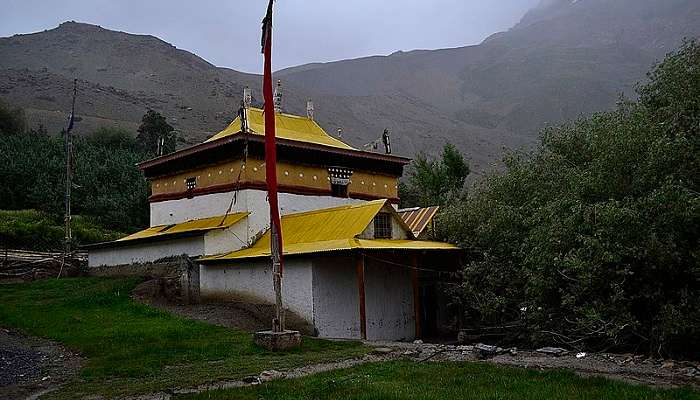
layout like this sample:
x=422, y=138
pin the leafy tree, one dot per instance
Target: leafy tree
x=116, y=138
x=431, y=181
x=591, y=241
x=153, y=128
x=109, y=188
x=12, y=120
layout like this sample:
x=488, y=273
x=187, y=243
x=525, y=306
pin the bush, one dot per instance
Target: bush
x=108, y=186
x=12, y=120
x=35, y=230
x=592, y=240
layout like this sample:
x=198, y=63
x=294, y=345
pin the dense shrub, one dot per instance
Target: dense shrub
x=36, y=230
x=108, y=187
x=592, y=241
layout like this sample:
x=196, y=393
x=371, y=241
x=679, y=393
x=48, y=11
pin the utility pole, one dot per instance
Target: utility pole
x=69, y=172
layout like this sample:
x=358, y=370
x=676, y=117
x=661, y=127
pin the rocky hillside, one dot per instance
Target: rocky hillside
x=565, y=58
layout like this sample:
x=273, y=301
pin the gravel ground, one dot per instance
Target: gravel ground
x=31, y=365
x=626, y=367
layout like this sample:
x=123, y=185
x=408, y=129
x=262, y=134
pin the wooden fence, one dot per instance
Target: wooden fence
x=21, y=265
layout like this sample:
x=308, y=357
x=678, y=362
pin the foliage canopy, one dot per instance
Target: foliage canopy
x=154, y=128
x=592, y=240
x=432, y=181
x=108, y=187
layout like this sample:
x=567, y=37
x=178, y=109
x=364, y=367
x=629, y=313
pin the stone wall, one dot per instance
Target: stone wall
x=180, y=272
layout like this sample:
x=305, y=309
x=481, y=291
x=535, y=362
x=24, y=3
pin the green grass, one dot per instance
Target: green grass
x=434, y=381
x=132, y=348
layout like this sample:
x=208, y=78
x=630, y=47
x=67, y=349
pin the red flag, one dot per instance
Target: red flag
x=270, y=146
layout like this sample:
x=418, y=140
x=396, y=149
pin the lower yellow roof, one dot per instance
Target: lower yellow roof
x=330, y=229
x=291, y=127
x=334, y=245
x=197, y=225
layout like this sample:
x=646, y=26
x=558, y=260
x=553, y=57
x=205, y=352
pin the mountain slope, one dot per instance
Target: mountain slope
x=565, y=58
x=120, y=76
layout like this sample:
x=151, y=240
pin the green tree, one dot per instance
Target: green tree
x=591, y=241
x=12, y=120
x=434, y=181
x=109, y=188
x=117, y=138
x=153, y=128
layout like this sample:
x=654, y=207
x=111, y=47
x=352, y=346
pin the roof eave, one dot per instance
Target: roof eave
x=157, y=238
x=261, y=139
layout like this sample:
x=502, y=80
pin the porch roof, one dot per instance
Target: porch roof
x=331, y=229
x=189, y=228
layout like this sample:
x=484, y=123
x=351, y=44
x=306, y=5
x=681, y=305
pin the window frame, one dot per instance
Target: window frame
x=383, y=226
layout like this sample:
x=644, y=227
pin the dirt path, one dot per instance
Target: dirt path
x=620, y=367
x=31, y=366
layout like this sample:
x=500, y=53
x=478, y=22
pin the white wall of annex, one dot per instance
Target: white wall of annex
x=336, y=297
x=388, y=302
x=146, y=252
x=251, y=282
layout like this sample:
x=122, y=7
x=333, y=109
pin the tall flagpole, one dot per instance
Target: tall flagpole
x=271, y=172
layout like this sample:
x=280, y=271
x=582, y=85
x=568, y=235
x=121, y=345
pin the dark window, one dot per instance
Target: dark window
x=191, y=183
x=339, y=190
x=340, y=179
x=382, y=226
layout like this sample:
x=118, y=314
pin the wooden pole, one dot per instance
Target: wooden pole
x=361, y=291
x=278, y=323
x=69, y=150
x=415, y=279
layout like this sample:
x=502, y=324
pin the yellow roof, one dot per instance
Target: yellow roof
x=197, y=225
x=334, y=245
x=330, y=229
x=291, y=127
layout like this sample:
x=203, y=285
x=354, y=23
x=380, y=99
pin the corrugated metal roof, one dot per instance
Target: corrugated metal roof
x=291, y=127
x=334, y=245
x=197, y=225
x=331, y=229
x=418, y=218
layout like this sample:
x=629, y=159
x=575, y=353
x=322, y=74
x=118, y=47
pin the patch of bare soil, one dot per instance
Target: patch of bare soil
x=247, y=317
x=30, y=366
x=626, y=367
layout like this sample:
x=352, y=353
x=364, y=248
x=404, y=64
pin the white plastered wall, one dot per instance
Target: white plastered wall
x=251, y=282
x=221, y=241
x=146, y=252
x=336, y=297
x=388, y=302
x=323, y=290
x=248, y=200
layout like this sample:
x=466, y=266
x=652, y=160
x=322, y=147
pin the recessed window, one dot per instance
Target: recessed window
x=382, y=226
x=340, y=179
x=339, y=190
x=191, y=183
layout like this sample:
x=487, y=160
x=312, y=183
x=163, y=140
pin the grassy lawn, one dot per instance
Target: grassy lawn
x=410, y=380
x=133, y=348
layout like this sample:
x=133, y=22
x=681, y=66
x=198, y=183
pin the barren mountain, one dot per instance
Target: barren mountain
x=565, y=58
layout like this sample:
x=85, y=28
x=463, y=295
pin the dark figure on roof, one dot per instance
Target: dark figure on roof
x=387, y=141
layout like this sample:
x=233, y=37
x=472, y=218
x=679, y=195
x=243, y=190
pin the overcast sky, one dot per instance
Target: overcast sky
x=227, y=32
